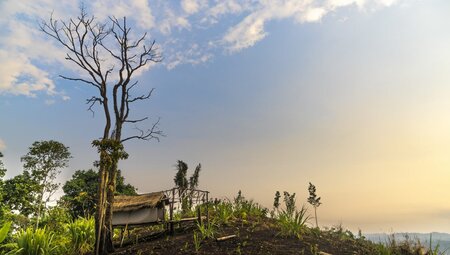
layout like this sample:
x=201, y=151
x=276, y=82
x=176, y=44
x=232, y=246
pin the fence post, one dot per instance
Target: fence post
x=171, y=230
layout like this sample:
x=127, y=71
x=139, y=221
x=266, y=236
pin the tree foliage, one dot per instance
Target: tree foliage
x=21, y=194
x=2, y=189
x=183, y=183
x=44, y=162
x=80, y=192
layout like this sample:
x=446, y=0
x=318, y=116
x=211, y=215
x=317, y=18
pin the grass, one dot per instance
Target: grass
x=82, y=235
x=292, y=223
x=30, y=242
x=208, y=229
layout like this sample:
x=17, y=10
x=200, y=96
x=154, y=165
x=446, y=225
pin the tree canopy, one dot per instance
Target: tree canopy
x=80, y=192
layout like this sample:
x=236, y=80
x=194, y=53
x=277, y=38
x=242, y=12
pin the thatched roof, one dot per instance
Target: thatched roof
x=132, y=203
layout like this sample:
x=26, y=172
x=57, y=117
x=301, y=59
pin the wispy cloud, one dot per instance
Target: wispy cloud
x=252, y=28
x=188, y=32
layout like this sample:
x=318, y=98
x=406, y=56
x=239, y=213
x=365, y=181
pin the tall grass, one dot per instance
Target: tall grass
x=223, y=212
x=208, y=229
x=82, y=235
x=293, y=223
x=34, y=242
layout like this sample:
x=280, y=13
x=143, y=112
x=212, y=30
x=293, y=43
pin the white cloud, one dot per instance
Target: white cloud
x=246, y=33
x=252, y=28
x=190, y=6
x=138, y=10
x=194, y=55
x=189, y=32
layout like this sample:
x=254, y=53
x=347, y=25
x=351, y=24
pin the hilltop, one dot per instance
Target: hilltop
x=252, y=229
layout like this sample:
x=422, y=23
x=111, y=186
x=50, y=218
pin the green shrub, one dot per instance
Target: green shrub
x=81, y=235
x=31, y=242
x=292, y=223
x=208, y=229
x=244, y=208
x=223, y=212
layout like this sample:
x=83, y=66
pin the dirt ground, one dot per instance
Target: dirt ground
x=252, y=237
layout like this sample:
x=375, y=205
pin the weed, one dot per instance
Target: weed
x=197, y=242
x=293, y=223
x=39, y=242
x=207, y=230
x=82, y=235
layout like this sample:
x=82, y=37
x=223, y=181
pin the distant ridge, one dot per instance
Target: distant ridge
x=437, y=238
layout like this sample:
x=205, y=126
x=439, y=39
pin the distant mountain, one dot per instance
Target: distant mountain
x=441, y=239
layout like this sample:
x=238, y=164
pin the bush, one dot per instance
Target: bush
x=30, y=242
x=81, y=235
x=293, y=223
x=223, y=212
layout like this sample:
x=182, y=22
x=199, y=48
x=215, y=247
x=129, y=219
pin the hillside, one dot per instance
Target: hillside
x=254, y=230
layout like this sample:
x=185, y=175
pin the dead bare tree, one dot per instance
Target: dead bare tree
x=102, y=50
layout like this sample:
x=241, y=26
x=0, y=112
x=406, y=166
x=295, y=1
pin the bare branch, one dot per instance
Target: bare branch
x=91, y=101
x=135, y=121
x=143, y=97
x=152, y=133
x=80, y=79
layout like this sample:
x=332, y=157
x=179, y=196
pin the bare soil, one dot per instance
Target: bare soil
x=252, y=237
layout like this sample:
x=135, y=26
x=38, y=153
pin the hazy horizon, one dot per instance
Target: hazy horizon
x=350, y=95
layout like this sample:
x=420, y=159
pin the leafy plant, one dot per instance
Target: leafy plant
x=314, y=200
x=197, y=242
x=34, y=242
x=244, y=208
x=4, y=231
x=208, y=230
x=82, y=235
x=293, y=224
x=223, y=212
x=182, y=183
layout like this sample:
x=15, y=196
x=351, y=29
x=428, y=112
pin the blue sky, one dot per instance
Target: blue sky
x=267, y=95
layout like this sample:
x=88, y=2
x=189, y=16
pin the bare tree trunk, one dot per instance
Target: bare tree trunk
x=109, y=207
x=100, y=212
x=41, y=196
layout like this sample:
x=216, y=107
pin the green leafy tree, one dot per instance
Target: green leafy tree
x=20, y=194
x=183, y=183
x=44, y=161
x=314, y=200
x=2, y=190
x=80, y=192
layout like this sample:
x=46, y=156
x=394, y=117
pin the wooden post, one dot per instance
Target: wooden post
x=207, y=207
x=122, y=236
x=171, y=230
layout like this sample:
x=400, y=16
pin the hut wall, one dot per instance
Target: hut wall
x=141, y=216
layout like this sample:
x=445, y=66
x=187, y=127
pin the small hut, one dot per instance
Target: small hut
x=139, y=210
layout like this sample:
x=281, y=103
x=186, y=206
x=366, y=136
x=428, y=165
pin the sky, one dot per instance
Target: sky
x=351, y=95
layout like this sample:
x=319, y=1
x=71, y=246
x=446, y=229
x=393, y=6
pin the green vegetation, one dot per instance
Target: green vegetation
x=70, y=228
x=4, y=230
x=314, y=201
x=183, y=184
x=82, y=235
x=34, y=242
x=80, y=192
